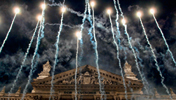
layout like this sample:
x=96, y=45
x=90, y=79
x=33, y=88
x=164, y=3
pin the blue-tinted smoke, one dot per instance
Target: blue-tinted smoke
x=81, y=46
x=76, y=69
x=82, y=27
x=32, y=62
x=68, y=9
x=52, y=1
x=90, y=29
x=140, y=63
x=117, y=24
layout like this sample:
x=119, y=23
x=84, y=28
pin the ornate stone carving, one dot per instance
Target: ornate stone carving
x=72, y=81
x=18, y=91
x=93, y=80
x=46, y=69
x=80, y=79
x=127, y=68
x=3, y=91
x=128, y=73
x=156, y=93
x=112, y=84
x=65, y=82
x=172, y=92
x=109, y=82
x=87, y=78
x=106, y=81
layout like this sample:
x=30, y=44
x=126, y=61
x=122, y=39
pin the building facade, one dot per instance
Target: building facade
x=87, y=86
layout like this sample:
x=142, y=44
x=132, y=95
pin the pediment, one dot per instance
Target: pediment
x=86, y=75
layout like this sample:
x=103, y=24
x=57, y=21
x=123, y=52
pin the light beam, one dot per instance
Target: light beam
x=162, y=34
x=7, y=35
x=117, y=48
x=102, y=92
x=32, y=62
x=129, y=42
x=155, y=59
x=56, y=56
x=24, y=60
x=117, y=26
x=39, y=37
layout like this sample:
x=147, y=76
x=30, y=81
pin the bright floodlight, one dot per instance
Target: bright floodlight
x=123, y=21
x=109, y=11
x=78, y=35
x=43, y=6
x=92, y=3
x=139, y=14
x=63, y=9
x=16, y=10
x=39, y=17
x=152, y=11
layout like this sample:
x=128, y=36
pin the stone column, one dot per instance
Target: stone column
x=95, y=97
x=59, y=95
x=120, y=98
x=115, y=98
x=73, y=97
x=40, y=98
x=98, y=95
x=78, y=97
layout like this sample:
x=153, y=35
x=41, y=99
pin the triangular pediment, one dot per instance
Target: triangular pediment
x=86, y=75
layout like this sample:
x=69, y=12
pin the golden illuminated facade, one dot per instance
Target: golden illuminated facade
x=88, y=86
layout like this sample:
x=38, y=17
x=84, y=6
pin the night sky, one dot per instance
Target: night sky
x=15, y=47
